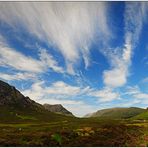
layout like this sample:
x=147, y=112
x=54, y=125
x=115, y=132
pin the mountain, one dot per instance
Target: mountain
x=15, y=107
x=117, y=113
x=11, y=97
x=57, y=108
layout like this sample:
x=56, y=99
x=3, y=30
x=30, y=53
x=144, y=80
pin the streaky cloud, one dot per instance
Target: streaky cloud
x=68, y=26
x=120, y=62
x=16, y=60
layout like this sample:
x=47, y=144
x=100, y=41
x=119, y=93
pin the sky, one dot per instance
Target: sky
x=84, y=55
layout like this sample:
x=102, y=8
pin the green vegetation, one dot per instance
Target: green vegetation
x=57, y=138
x=75, y=132
x=142, y=116
x=26, y=117
x=15, y=115
x=43, y=128
x=118, y=113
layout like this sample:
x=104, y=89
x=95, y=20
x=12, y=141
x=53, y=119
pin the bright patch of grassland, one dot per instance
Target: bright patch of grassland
x=142, y=116
x=26, y=117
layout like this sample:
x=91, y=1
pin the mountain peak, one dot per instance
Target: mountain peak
x=57, y=108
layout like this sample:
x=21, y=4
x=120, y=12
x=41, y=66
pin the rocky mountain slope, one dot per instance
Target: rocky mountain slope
x=14, y=106
x=10, y=96
x=57, y=108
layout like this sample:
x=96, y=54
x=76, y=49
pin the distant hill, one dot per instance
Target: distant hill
x=57, y=108
x=16, y=107
x=117, y=113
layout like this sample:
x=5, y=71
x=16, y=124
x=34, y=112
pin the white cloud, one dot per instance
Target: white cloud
x=36, y=91
x=9, y=57
x=63, y=89
x=136, y=93
x=128, y=103
x=132, y=90
x=48, y=61
x=141, y=96
x=115, y=77
x=105, y=95
x=58, y=89
x=69, y=26
x=12, y=58
x=17, y=76
x=121, y=59
x=120, y=62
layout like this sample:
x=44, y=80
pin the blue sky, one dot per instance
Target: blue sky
x=83, y=55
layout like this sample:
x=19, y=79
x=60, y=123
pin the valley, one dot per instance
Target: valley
x=75, y=132
x=24, y=122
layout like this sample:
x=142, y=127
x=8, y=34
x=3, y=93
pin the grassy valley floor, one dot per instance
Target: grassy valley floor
x=76, y=132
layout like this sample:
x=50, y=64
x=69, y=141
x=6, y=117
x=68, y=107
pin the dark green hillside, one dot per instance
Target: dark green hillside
x=117, y=113
x=29, y=115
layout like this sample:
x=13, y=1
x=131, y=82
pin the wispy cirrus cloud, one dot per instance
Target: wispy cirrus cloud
x=137, y=94
x=105, y=95
x=11, y=58
x=27, y=65
x=121, y=59
x=17, y=76
x=70, y=27
x=49, y=62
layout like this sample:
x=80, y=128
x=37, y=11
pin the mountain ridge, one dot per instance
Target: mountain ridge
x=14, y=106
x=57, y=108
